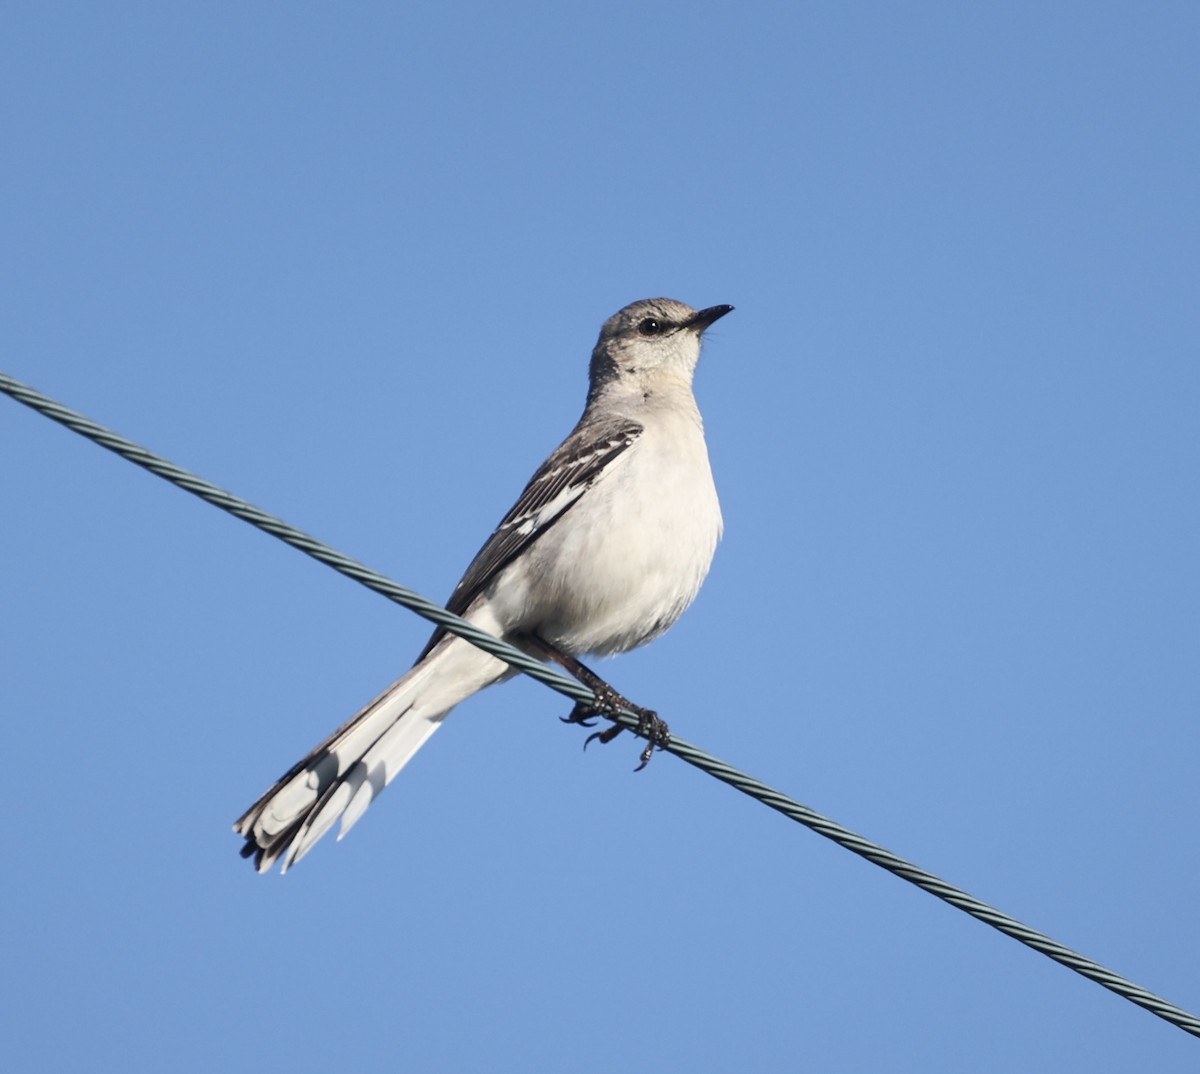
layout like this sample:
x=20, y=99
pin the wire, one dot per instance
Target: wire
x=694, y=756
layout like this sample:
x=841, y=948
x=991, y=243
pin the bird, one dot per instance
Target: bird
x=603, y=551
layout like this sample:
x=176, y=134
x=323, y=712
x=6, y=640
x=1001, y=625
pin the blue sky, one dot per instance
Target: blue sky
x=315, y=253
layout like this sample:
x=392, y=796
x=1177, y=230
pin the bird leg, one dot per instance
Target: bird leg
x=607, y=704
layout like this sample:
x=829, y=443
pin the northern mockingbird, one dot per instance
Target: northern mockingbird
x=604, y=550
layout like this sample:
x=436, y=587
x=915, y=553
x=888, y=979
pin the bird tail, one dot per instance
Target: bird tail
x=345, y=773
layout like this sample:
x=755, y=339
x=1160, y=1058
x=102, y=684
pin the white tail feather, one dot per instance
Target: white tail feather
x=343, y=775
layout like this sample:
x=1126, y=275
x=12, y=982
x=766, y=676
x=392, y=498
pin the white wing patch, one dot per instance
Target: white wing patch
x=530, y=524
x=561, y=481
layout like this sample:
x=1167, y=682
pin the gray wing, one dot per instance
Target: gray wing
x=559, y=483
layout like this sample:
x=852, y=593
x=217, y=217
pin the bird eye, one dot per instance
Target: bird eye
x=651, y=327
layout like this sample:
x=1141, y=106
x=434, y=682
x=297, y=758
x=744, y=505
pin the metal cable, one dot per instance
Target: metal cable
x=694, y=756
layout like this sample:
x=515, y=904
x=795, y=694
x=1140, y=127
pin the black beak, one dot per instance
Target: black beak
x=705, y=318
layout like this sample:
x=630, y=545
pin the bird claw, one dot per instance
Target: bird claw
x=655, y=731
x=605, y=736
x=607, y=704
x=581, y=714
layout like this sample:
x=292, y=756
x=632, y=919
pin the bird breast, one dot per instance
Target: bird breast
x=652, y=525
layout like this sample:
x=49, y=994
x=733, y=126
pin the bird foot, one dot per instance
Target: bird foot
x=607, y=704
